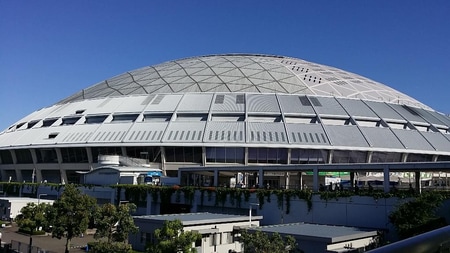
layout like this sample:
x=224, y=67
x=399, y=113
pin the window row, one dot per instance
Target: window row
x=228, y=155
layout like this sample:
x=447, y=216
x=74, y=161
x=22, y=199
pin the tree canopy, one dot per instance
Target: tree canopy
x=33, y=217
x=260, y=242
x=115, y=223
x=418, y=215
x=71, y=215
x=172, y=238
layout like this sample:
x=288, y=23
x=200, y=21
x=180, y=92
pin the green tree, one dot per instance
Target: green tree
x=70, y=217
x=172, y=238
x=115, y=223
x=418, y=215
x=260, y=242
x=33, y=217
x=105, y=247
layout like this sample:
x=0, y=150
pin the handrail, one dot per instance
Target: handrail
x=427, y=242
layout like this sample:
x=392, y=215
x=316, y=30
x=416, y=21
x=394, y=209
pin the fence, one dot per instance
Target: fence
x=25, y=248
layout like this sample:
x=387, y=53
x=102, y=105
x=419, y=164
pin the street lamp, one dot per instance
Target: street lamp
x=250, y=205
x=39, y=197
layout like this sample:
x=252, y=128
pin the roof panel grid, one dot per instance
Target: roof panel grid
x=229, y=104
x=164, y=103
x=293, y=104
x=356, y=107
x=146, y=132
x=184, y=132
x=348, y=136
x=195, y=102
x=412, y=139
x=266, y=133
x=379, y=137
x=327, y=106
x=224, y=132
x=262, y=103
x=307, y=134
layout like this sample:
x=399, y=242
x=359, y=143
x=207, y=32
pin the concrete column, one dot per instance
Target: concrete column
x=216, y=177
x=418, y=185
x=260, y=178
x=286, y=177
x=386, y=178
x=316, y=179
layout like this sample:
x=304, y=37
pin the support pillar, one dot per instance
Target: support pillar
x=316, y=179
x=216, y=177
x=386, y=181
x=260, y=178
x=418, y=185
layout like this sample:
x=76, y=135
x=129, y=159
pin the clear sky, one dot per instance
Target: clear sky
x=50, y=49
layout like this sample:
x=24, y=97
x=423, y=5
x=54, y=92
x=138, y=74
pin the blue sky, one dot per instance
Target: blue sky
x=50, y=49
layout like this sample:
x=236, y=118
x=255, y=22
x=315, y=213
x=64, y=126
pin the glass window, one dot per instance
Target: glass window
x=183, y=154
x=386, y=157
x=74, y=155
x=23, y=156
x=96, y=151
x=224, y=155
x=98, y=119
x=419, y=158
x=150, y=154
x=5, y=157
x=347, y=156
x=443, y=158
x=46, y=156
x=267, y=155
x=308, y=156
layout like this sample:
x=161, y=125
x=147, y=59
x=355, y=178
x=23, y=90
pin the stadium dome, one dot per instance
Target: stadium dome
x=224, y=109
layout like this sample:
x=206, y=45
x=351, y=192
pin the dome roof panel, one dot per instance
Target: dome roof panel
x=287, y=72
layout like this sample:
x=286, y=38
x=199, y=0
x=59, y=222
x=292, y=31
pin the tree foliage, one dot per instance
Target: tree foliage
x=418, y=215
x=108, y=247
x=260, y=242
x=71, y=215
x=115, y=223
x=172, y=238
x=33, y=217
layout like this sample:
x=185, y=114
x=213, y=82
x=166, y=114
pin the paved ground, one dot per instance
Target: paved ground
x=45, y=242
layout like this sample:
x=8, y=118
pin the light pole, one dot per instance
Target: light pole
x=39, y=197
x=250, y=205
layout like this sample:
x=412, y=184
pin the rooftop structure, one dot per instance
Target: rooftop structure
x=236, y=109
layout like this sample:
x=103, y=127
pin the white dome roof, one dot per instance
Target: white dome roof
x=244, y=73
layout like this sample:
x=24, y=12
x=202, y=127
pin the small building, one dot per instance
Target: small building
x=10, y=206
x=314, y=238
x=218, y=231
x=111, y=175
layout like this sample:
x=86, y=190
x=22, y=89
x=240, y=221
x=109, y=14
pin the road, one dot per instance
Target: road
x=45, y=242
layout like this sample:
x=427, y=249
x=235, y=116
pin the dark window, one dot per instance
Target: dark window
x=419, y=158
x=346, y=156
x=125, y=118
x=150, y=154
x=95, y=119
x=69, y=121
x=32, y=123
x=48, y=122
x=5, y=157
x=96, y=151
x=267, y=155
x=46, y=156
x=23, y=156
x=386, y=157
x=308, y=156
x=74, y=155
x=224, y=155
x=183, y=154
